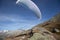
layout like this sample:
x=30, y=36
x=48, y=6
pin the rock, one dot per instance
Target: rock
x=39, y=36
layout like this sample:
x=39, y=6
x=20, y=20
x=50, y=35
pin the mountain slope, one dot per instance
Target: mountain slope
x=49, y=30
x=52, y=25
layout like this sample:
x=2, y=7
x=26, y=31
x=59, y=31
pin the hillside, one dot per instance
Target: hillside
x=52, y=25
x=49, y=30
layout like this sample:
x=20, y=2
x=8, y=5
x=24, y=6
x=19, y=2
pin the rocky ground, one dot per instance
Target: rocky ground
x=49, y=30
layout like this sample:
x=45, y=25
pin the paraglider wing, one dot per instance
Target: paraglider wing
x=32, y=6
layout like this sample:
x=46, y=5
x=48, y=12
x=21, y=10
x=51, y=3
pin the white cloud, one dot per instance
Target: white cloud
x=11, y=18
x=16, y=23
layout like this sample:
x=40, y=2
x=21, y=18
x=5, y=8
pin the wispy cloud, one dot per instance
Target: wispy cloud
x=12, y=23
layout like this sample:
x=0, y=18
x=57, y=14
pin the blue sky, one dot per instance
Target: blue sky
x=14, y=16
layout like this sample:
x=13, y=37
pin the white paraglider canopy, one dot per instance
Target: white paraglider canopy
x=32, y=6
